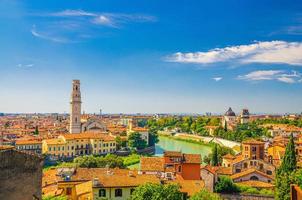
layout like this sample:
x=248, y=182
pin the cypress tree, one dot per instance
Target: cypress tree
x=214, y=158
x=284, y=175
x=225, y=126
x=289, y=162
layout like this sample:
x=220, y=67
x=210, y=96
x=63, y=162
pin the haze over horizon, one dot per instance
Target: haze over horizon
x=151, y=57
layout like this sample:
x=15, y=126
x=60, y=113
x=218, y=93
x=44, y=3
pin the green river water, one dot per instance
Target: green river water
x=169, y=144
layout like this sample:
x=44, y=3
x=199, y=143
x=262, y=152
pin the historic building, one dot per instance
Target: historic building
x=229, y=119
x=76, y=124
x=71, y=145
x=75, y=108
x=244, y=116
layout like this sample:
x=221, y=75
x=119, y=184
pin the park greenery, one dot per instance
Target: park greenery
x=205, y=195
x=215, y=157
x=188, y=124
x=151, y=191
x=91, y=161
x=197, y=126
x=294, y=122
x=136, y=142
x=226, y=185
x=242, y=132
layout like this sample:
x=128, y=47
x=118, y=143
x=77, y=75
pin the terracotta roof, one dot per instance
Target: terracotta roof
x=55, y=141
x=257, y=184
x=252, y=141
x=188, y=186
x=172, y=154
x=249, y=171
x=140, y=129
x=229, y=156
x=6, y=147
x=25, y=142
x=224, y=171
x=192, y=158
x=114, y=177
x=210, y=168
x=89, y=135
x=152, y=164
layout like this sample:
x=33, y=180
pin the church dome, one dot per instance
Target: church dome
x=230, y=112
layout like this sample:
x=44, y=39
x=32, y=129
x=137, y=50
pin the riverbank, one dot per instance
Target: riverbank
x=203, y=140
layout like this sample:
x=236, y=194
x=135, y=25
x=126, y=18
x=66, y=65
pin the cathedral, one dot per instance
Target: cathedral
x=76, y=126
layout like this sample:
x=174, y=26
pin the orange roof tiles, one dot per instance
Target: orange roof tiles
x=172, y=154
x=152, y=164
x=114, y=177
x=192, y=158
x=252, y=141
x=89, y=135
x=249, y=171
x=28, y=142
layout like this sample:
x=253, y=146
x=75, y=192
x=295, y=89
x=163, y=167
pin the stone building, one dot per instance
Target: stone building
x=244, y=116
x=20, y=175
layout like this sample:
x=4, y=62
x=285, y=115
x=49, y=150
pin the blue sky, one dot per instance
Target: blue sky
x=151, y=56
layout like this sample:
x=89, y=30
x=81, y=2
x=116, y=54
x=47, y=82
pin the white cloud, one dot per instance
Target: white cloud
x=76, y=25
x=259, y=52
x=217, y=79
x=72, y=13
x=278, y=75
x=45, y=36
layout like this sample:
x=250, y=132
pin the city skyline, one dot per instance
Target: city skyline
x=151, y=57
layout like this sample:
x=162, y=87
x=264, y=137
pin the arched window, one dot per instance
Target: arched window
x=76, y=120
x=254, y=178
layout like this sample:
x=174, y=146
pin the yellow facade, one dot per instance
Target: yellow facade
x=110, y=193
x=79, y=144
x=76, y=190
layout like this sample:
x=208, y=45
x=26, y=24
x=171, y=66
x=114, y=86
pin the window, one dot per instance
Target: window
x=118, y=192
x=254, y=148
x=102, y=193
x=49, y=148
x=179, y=168
x=131, y=191
x=254, y=178
x=62, y=148
x=58, y=148
x=68, y=191
x=269, y=172
x=245, y=165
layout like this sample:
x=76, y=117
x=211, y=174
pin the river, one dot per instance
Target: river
x=169, y=144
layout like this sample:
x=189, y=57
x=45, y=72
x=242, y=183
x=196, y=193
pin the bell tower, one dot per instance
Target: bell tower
x=75, y=108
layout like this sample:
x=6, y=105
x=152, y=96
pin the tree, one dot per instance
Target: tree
x=205, y=195
x=285, y=175
x=135, y=141
x=289, y=162
x=214, y=157
x=225, y=185
x=153, y=136
x=151, y=191
x=36, y=131
x=119, y=142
